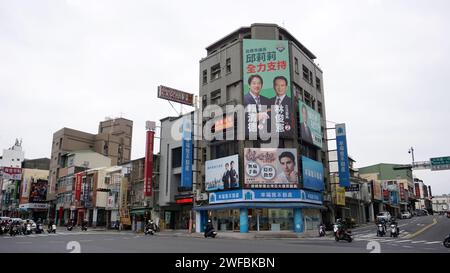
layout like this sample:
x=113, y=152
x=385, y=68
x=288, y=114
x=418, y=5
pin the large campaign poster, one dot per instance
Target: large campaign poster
x=267, y=83
x=270, y=168
x=38, y=190
x=222, y=173
x=310, y=130
x=312, y=174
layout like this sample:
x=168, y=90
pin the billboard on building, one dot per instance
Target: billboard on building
x=270, y=168
x=377, y=190
x=10, y=173
x=312, y=174
x=222, y=173
x=267, y=83
x=38, y=190
x=186, y=154
x=310, y=130
x=343, y=164
x=175, y=95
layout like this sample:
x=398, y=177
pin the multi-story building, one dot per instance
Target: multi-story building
x=441, y=204
x=10, y=177
x=135, y=208
x=71, y=201
x=113, y=140
x=397, y=188
x=423, y=195
x=253, y=181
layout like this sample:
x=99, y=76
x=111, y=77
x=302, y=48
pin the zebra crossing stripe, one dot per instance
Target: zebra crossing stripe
x=435, y=242
x=404, y=241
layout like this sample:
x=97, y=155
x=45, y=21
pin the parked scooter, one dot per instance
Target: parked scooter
x=84, y=226
x=39, y=229
x=322, y=230
x=446, y=242
x=52, y=229
x=28, y=229
x=149, y=228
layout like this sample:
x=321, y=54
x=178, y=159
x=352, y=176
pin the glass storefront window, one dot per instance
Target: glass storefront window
x=311, y=218
x=224, y=220
x=271, y=219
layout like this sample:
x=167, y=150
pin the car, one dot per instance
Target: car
x=406, y=215
x=386, y=215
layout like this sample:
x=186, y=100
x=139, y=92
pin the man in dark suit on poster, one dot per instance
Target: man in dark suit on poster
x=256, y=117
x=282, y=103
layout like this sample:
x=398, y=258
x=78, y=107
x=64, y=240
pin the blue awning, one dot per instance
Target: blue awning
x=251, y=205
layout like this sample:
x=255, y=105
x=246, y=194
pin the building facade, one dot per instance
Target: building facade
x=266, y=185
x=113, y=140
x=393, y=187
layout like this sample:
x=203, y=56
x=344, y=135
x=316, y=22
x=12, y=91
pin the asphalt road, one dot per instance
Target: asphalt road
x=417, y=236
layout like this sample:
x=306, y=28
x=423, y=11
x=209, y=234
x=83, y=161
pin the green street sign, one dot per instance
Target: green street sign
x=440, y=163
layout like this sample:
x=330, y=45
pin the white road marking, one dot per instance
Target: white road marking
x=418, y=242
x=435, y=242
x=23, y=242
x=85, y=240
x=404, y=241
x=408, y=246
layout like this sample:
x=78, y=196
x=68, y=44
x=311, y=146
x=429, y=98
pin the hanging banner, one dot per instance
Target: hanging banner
x=78, y=182
x=341, y=141
x=186, y=154
x=148, y=170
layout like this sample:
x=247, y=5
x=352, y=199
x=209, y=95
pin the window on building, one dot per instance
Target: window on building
x=215, y=72
x=228, y=65
x=318, y=85
x=296, y=65
x=310, y=77
x=176, y=157
x=305, y=73
x=308, y=99
x=205, y=77
x=319, y=108
x=215, y=97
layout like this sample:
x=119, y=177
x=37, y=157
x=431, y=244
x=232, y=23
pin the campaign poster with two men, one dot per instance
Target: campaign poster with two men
x=267, y=89
x=222, y=173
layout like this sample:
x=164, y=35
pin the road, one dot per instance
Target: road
x=418, y=235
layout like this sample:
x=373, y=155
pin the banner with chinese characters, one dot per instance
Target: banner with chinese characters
x=265, y=195
x=186, y=154
x=266, y=83
x=270, y=168
x=341, y=143
x=340, y=196
x=10, y=173
x=312, y=174
x=310, y=130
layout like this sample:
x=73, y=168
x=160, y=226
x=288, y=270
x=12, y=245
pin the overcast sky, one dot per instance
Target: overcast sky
x=72, y=63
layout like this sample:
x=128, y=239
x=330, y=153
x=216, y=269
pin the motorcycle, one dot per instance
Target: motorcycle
x=52, y=229
x=322, y=230
x=149, y=230
x=343, y=235
x=28, y=229
x=211, y=233
x=69, y=227
x=83, y=227
x=446, y=242
x=39, y=229
x=381, y=230
x=394, y=230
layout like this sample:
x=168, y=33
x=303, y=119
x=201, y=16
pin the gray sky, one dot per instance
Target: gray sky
x=72, y=63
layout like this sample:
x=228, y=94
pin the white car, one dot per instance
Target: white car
x=384, y=215
x=406, y=215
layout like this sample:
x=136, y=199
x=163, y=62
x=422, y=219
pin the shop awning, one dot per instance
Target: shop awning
x=251, y=205
x=139, y=211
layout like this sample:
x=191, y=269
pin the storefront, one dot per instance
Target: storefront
x=257, y=210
